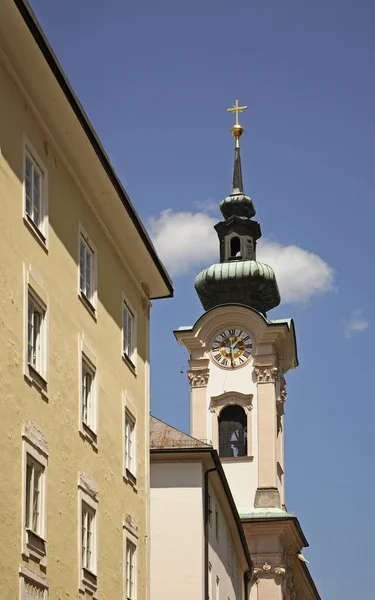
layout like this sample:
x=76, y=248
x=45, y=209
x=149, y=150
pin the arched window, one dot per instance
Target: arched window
x=235, y=246
x=232, y=431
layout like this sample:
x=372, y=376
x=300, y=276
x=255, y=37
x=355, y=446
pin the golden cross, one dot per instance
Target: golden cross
x=236, y=109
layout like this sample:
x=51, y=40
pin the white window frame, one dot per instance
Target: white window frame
x=29, y=578
x=34, y=450
x=130, y=416
x=129, y=354
x=130, y=537
x=88, y=497
x=90, y=301
x=36, y=294
x=210, y=581
x=40, y=230
x=88, y=361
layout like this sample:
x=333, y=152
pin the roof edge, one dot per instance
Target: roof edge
x=36, y=31
x=224, y=482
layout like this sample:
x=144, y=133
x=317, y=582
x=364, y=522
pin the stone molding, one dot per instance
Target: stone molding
x=266, y=373
x=280, y=401
x=131, y=524
x=267, y=569
x=88, y=486
x=198, y=378
x=27, y=573
x=219, y=402
x=33, y=434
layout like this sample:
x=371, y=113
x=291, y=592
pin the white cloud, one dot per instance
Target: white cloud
x=207, y=206
x=355, y=324
x=186, y=241
x=300, y=274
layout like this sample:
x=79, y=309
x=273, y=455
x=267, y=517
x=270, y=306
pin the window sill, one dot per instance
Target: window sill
x=36, y=379
x=38, y=235
x=89, y=435
x=235, y=458
x=130, y=364
x=36, y=546
x=89, y=582
x=88, y=305
x=130, y=478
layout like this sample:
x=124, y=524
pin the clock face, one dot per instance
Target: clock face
x=231, y=348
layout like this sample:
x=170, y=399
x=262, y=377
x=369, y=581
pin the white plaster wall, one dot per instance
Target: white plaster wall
x=228, y=380
x=177, y=543
x=242, y=477
x=242, y=474
x=231, y=580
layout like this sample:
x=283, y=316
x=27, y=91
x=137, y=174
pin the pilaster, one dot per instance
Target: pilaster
x=198, y=376
x=267, y=494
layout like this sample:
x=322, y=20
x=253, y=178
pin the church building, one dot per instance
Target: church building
x=239, y=359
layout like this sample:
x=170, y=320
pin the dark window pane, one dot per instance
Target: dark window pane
x=232, y=432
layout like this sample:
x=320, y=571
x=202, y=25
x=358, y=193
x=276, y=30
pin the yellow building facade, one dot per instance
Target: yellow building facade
x=77, y=276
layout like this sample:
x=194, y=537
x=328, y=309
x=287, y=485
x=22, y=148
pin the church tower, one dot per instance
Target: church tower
x=238, y=362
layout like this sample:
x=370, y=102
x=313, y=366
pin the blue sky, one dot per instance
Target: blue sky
x=155, y=79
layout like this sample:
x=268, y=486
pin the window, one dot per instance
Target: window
x=36, y=312
x=235, y=247
x=33, y=505
x=130, y=446
x=35, y=456
x=87, y=270
x=129, y=333
x=88, y=394
x=217, y=524
x=232, y=431
x=35, y=194
x=87, y=537
x=88, y=532
x=217, y=589
x=130, y=571
x=209, y=581
x=86, y=260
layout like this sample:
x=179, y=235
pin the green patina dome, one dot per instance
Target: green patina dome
x=245, y=282
x=239, y=278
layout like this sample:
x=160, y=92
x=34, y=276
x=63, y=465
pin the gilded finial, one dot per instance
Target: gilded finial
x=237, y=129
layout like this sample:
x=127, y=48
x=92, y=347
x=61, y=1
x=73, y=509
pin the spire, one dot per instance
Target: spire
x=237, y=131
x=237, y=185
x=237, y=203
x=239, y=278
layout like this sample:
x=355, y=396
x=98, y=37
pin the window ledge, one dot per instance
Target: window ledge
x=129, y=363
x=37, y=380
x=89, y=582
x=40, y=238
x=88, y=434
x=235, y=458
x=35, y=546
x=130, y=478
x=88, y=305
